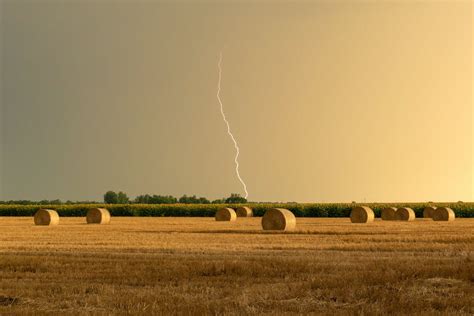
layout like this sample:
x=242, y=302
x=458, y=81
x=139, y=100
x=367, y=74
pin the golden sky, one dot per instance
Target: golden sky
x=328, y=100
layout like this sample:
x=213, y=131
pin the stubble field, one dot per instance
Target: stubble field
x=193, y=266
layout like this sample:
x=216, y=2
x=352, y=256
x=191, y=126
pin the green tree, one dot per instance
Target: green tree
x=163, y=199
x=235, y=198
x=122, y=198
x=193, y=200
x=111, y=197
x=203, y=200
x=188, y=199
x=143, y=199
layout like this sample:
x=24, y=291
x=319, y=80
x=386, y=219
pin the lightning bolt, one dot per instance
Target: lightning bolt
x=237, y=149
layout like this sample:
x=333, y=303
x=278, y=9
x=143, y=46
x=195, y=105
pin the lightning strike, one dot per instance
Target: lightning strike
x=237, y=149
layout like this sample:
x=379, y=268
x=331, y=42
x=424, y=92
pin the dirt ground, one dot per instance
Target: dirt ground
x=200, y=266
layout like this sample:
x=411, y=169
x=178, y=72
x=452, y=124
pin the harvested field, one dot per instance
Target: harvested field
x=200, y=266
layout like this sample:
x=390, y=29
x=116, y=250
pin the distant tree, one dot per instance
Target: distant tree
x=172, y=199
x=163, y=199
x=47, y=202
x=218, y=201
x=143, y=199
x=122, y=198
x=203, y=200
x=183, y=199
x=188, y=199
x=111, y=197
x=155, y=199
x=235, y=198
x=193, y=200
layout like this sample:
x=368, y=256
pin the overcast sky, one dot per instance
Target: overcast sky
x=328, y=100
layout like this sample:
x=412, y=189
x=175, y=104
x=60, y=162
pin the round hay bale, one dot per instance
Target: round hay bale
x=405, y=214
x=46, y=217
x=278, y=219
x=244, y=211
x=443, y=214
x=98, y=216
x=362, y=214
x=428, y=211
x=226, y=214
x=388, y=214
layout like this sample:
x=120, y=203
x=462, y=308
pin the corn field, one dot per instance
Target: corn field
x=208, y=210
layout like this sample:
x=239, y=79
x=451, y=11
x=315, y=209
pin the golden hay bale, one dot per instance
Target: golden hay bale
x=388, y=214
x=405, y=214
x=428, y=211
x=226, y=214
x=443, y=214
x=98, y=216
x=46, y=217
x=244, y=211
x=362, y=214
x=278, y=219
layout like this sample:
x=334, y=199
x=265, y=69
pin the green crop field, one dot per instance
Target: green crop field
x=208, y=210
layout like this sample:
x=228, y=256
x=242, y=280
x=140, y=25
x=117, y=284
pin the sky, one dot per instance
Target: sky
x=329, y=101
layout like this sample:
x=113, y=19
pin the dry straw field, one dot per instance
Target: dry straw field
x=202, y=266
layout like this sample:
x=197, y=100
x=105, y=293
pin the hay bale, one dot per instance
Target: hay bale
x=428, y=211
x=46, y=217
x=244, y=211
x=98, y=216
x=443, y=214
x=226, y=214
x=405, y=214
x=362, y=214
x=278, y=219
x=388, y=214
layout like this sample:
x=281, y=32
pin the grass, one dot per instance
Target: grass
x=200, y=266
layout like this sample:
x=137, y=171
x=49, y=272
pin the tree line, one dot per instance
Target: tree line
x=111, y=197
x=46, y=202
